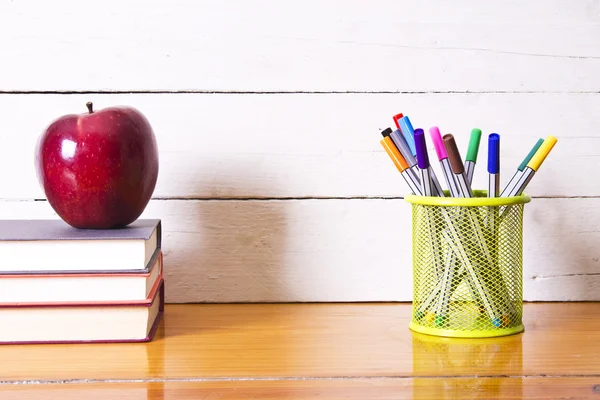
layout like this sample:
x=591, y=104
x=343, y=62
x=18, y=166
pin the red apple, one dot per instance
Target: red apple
x=98, y=169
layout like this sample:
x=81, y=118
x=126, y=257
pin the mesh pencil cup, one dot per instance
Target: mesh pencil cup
x=467, y=265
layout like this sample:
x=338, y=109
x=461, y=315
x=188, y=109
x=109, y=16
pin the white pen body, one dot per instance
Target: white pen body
x=510, y=186
x=412, y=183
x=469, y=170
x=463, y=187
x=414, y=170
x=437, y=188
x=494, y=185
x=523, y=182
x=449, y=175
x=426, y=183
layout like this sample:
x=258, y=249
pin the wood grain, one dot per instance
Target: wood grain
x=341, y=250
x=305, y=349
x=346, y=389
x=303, y=146
x=267, y=45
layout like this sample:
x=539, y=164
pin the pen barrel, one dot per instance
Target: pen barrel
x=412, y=182
x=463, y=185
x=414, y=171
x=494, y=185
x=414, y=176
x=449, y=176
x=426, y=184
x=469, y=171
x=437, y=188
x=403, y=147
x=510, y=186
x=522, y=182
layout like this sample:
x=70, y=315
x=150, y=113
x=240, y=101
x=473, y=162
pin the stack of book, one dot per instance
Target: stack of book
x=59, y=284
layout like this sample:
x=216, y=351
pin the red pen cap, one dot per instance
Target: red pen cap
x=397, y=118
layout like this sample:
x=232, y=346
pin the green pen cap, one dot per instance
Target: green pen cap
x=531, y=154
x=474, y=144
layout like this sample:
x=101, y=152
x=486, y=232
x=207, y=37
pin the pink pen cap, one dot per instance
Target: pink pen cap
x=438, y=144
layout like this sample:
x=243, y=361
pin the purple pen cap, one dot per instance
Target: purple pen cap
x=421, y=149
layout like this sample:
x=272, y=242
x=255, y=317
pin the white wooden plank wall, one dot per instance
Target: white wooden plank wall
x=273, y=185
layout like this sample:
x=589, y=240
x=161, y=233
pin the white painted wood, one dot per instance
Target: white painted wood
x=325, y=45
x=216, y=146
x=341, y=250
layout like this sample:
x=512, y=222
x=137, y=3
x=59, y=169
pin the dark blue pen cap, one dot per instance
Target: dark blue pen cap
x=494, y=153
x=421, y=148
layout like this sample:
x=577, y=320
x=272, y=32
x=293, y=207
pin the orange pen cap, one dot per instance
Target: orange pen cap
x=392, y=151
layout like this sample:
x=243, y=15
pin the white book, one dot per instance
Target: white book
x=53, y=246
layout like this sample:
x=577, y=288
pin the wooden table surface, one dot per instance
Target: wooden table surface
x=317, y=351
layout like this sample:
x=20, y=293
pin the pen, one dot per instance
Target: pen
x=397, y=119
x=491, y=214
x=402, y=146
x=472, y=151
x=427, y=190
x=513, y=181
x=457, y=166
x=398, y=161
x=423, y=163
x=436, y=138
x=494, y=165
x=533, y=166
x=479, y=238
x=444, y=286
x=409, y=134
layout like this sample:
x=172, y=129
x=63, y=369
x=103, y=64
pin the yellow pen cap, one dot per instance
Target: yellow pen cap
x=542, y=152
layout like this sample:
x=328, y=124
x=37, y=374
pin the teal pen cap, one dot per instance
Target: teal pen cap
x=510, y=186
x=531, y=154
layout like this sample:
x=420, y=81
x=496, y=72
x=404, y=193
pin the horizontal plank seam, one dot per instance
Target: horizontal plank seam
x=191, y=198
x=267, y=92
x=285, y=378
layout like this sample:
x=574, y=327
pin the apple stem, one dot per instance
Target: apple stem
x=90, y=106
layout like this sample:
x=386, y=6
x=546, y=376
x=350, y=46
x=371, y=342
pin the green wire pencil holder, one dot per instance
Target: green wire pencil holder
x=467, y=265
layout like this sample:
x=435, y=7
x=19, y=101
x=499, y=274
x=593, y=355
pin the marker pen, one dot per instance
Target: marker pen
x=457, y=166
x=398, y=160
x=427, y=190
x=472, y=151
x=533, y=166
x=397, y=119
x=409, y=134
x=423, y=163
x=513, y=181
x=438, y=144
x=493, y=166
x=402, y=146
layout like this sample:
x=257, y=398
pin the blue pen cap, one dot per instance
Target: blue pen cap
x=421, y=147
x=409, y=133
x=494, y=153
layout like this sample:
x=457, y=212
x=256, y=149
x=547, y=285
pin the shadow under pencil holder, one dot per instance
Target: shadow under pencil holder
x=467, y=265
